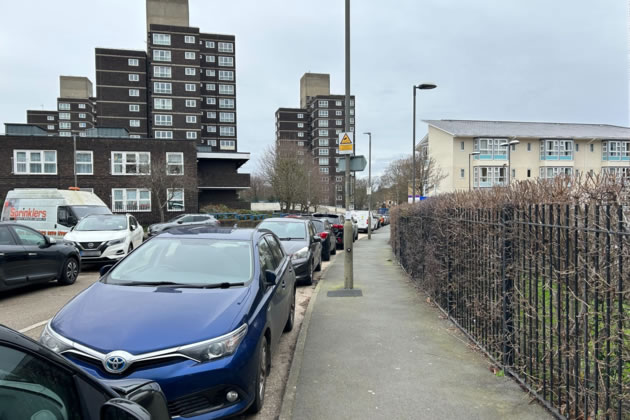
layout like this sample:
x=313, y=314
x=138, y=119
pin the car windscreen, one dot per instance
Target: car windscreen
x=96, y=223
x=286, y=230
x=82, y=211
x=319, y=226
x=203, y=262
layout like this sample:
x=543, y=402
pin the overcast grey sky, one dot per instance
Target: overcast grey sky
x=529, y=60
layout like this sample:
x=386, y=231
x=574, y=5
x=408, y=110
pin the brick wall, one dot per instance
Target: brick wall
x=102, y=181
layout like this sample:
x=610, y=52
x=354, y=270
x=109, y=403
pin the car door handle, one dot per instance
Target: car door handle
x=32, y=254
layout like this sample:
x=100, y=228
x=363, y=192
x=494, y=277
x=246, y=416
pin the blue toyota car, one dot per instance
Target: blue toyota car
x=199, y=310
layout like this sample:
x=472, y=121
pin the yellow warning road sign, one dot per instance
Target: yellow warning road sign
x=345, y=144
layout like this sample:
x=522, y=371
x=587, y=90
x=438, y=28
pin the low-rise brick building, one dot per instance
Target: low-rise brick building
x=130, y=175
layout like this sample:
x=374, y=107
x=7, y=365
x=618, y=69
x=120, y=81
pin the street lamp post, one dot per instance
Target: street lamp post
x=422, y=86
x=470, y=155
x=369, y=184
x=348, y=275
x=509, y=145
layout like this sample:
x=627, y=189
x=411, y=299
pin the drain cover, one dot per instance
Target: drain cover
x=345, y=293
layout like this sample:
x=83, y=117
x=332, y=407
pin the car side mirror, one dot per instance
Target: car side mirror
x=51, y=241
x=105, y=269
x=270, y=278
x=121, y=409
x=179, y=222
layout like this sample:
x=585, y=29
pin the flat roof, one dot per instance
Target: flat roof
x=473, y=128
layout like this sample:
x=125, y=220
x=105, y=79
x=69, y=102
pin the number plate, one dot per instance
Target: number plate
x=90, y=253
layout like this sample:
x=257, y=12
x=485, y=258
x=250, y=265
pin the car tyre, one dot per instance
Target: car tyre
x=291, y=320
x=326, y=254
x=261, y=376
x=319, y=266
x=70, y=272
x=334, y=250
x=309, y=278
x=130, y=248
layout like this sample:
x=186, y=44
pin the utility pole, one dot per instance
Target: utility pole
x=348, y=234
x=413, y=188
x=369, y=184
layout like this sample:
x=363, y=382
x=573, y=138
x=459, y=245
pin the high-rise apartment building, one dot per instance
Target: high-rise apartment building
x=76, y=109
x=121, y=90
x=313, y=131
x=182, y=88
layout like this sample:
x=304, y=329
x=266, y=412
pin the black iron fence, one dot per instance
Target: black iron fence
x=542, y=289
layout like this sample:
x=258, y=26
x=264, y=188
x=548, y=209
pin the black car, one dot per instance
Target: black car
x=183, y=220
x=36, y=383
x=337, y=222
x=329, y=239
x=299, y=239
x=28, y=257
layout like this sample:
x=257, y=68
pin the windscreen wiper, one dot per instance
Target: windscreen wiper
x=176, y=285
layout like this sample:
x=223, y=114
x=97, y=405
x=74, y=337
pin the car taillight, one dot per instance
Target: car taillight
x=338, y=226
x=323, y=235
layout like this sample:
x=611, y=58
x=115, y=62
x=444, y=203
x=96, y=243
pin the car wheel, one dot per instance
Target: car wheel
x=70, y=272
x=334, y=250
x=319, y=266
x=130, y=248
x=261, y=376
x=309, y=278
x=289, y=325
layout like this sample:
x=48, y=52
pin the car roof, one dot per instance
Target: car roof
x=209, y=232
x=286, y=219
x=14, y=223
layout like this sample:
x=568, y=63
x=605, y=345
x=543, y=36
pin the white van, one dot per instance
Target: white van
x=363, y=218
x=52, y=212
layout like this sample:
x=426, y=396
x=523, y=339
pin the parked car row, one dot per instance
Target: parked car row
x=233, y=290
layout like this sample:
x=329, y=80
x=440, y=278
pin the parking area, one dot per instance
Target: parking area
x=29, y=309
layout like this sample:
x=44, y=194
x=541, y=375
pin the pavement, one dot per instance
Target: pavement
x=390, y=354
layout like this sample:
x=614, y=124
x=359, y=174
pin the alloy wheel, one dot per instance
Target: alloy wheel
x=72, y=270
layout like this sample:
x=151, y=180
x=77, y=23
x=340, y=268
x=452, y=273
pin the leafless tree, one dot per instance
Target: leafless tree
x=168, y=183
x=398, y=176
x=292, y=176
x=260, y=189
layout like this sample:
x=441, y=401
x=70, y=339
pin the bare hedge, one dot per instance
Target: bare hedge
x=537, y=275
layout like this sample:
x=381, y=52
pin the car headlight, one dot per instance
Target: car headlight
x=215, y=348
x=302, y=253
x=116, y=241
x=54, y=341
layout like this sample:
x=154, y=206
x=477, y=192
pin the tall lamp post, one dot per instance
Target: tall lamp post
x=369, y=185
x=470, y=155
x=422, y=86
x=509, y=145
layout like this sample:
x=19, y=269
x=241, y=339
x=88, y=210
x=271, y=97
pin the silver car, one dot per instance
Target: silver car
x=183, y=220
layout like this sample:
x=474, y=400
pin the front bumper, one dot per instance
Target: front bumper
x=103, y=254
x=193, y=390
x=301, y=268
